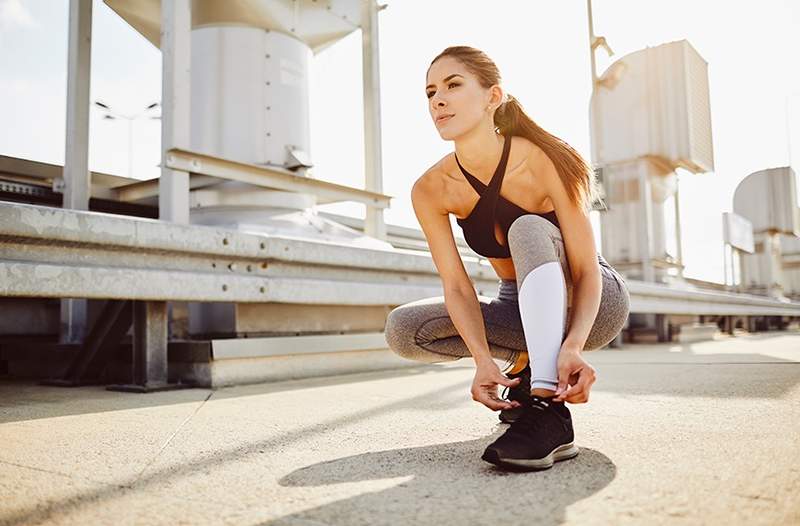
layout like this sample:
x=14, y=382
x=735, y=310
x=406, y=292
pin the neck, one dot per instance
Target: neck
x=479, y=153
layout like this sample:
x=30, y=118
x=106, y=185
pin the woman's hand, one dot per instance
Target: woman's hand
x=575, y=376
x=484, y=386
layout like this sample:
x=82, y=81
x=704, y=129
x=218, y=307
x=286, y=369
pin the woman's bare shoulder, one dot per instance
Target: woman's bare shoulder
x=438, y=174
x=436, y=182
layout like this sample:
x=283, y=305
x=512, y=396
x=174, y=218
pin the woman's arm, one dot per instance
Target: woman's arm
x=460, y=297
x=465, y=313
x=576, y=230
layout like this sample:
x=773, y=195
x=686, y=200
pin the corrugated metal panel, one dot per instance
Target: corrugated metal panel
x=655, y=103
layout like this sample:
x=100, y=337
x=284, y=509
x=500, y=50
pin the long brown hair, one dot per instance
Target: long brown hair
x=510, y=119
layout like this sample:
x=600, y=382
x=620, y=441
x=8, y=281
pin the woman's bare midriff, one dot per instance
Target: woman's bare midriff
x=518, y=181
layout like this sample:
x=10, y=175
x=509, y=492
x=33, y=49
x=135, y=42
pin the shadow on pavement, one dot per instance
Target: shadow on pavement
x=449, y=484
x=440, y=398
x=27, y=400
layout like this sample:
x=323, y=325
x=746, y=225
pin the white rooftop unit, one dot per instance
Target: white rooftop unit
x=655, y=103
x=768, y=199
x=249, y=68
x=738, y=232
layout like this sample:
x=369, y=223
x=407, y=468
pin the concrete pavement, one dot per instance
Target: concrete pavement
x=702, y=433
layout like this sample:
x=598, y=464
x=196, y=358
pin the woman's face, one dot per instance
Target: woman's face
x=452, y=90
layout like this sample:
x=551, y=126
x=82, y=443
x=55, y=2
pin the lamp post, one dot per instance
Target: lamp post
x=130, y=118
x=594, y=124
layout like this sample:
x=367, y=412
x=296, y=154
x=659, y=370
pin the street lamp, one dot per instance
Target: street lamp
x=608, y=82
x=595, y=42
x=111, y=115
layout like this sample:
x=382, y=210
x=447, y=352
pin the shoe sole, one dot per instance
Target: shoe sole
x=509, y=416
x=562, y=452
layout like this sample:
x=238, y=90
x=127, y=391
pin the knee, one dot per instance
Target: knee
x=530, y=226
x=534, y=238
x=399, y=333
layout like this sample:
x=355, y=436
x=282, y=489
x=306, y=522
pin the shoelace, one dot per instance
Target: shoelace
x=522, y=388
x=507, y=393
x=531, y=417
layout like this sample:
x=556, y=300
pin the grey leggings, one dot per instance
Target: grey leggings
x=423, y=331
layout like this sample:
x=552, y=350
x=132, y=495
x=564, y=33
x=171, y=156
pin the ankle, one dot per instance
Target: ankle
x=542, y=393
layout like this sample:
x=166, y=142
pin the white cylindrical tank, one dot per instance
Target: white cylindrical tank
x=768, y=199
x=250, y=94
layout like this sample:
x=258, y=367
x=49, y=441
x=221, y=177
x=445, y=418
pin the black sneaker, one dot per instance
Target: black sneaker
x=540, y=436
x=520, y=393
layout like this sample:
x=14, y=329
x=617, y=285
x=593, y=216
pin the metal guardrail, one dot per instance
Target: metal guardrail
x=50, y=252
x=664, y=299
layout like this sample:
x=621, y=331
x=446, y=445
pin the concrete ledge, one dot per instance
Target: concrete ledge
x=696, y=332
x=239, y=371
x=235, y=361
x=295, y=345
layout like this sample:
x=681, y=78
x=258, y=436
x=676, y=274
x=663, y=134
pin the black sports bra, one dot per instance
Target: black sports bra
x=478, y=226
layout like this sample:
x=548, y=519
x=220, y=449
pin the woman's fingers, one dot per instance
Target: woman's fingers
x=573, y=393
x=566, y=393
x=579, y=393
x=493, y=402
x=508, y=382
x=578, y=386
x=567, y=376
x=487, y=395
x=484, y=388
x=579, y=397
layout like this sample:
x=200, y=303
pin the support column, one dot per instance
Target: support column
x=150, y=343
x=150, y=370
x=730, y=322
x=173, y=185
x=374, y=225
x=725, y=261
x=76, y=175
x=678, y=225
x=150, y=318
x=663, y=333
x=645, y=229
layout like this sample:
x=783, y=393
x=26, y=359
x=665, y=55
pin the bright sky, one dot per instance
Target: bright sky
x=540, y=47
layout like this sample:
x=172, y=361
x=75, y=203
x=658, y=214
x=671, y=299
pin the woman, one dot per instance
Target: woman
x=521, y=197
